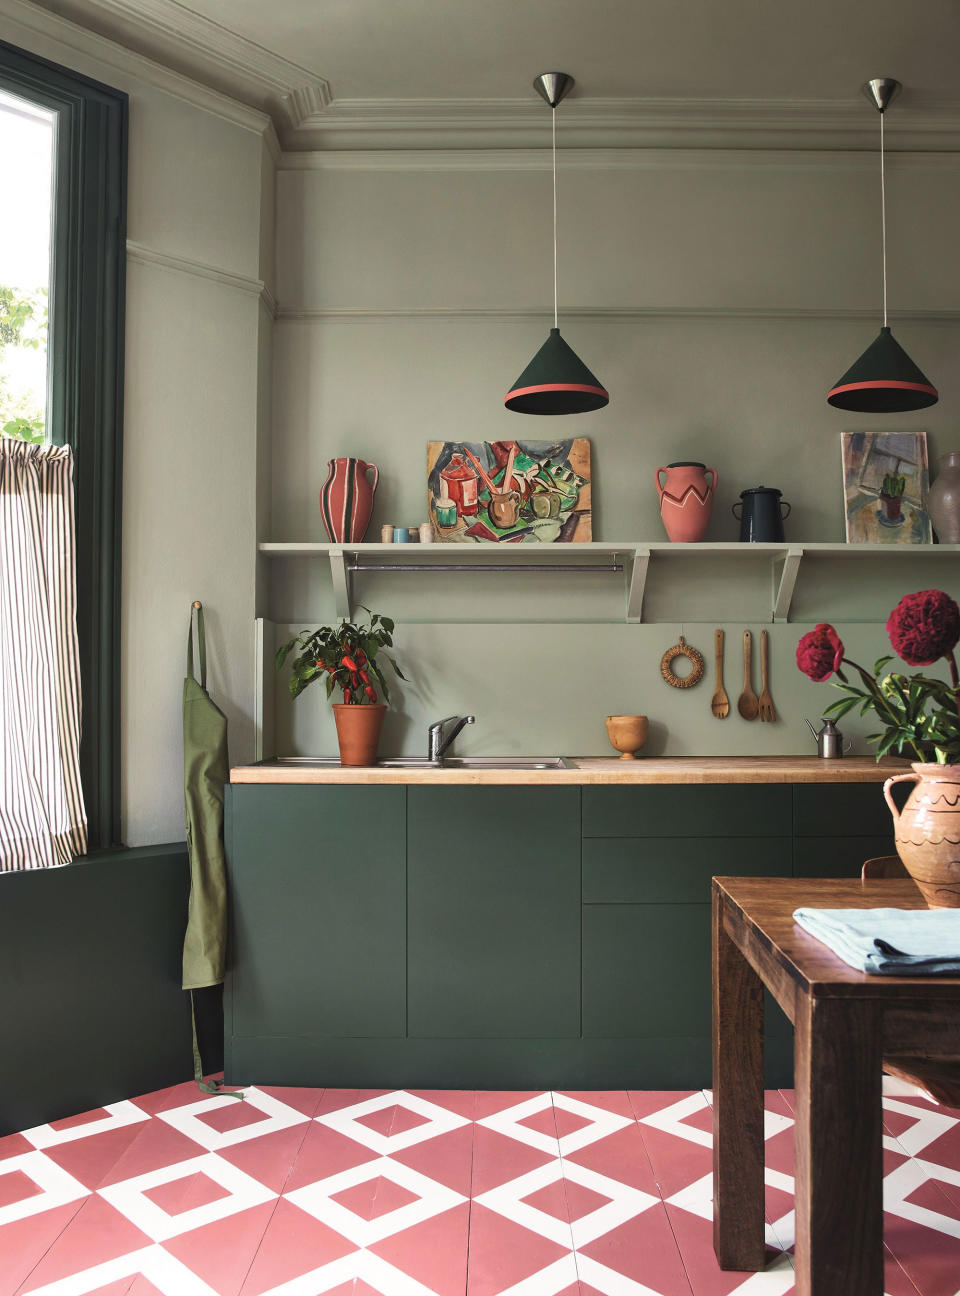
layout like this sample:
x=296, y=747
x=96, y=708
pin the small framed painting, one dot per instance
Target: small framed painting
x=510, y=492
x=885, y=483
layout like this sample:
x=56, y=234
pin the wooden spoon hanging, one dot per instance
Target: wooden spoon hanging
x=748, y=704
x=719, y=703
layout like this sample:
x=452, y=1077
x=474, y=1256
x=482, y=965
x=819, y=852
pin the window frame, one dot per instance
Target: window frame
x=85, y=384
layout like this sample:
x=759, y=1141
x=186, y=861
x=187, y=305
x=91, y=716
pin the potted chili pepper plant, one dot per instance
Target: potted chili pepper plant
x=347, y=657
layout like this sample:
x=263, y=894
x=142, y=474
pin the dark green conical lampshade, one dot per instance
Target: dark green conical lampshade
x=556, y=381
x=883, y=381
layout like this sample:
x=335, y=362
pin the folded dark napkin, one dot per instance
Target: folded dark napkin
x=889, y=942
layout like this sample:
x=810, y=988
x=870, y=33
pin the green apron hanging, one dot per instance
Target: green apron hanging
x=206, y=769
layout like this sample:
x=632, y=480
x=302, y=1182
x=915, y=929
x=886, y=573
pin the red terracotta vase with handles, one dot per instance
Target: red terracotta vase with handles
x=927, y=831
x=686, y=500
x=346, y=500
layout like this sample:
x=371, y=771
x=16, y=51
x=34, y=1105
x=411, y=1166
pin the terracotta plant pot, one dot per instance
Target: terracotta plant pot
x=627, y=734
x=891, y=506
x=358, y=731
x=927, y=832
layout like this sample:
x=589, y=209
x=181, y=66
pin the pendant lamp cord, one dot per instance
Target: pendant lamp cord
x=553, y=122
x=883, y=221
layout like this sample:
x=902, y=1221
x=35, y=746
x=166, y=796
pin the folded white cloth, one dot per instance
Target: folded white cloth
x=891, y=942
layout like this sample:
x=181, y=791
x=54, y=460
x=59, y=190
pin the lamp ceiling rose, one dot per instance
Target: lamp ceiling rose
x=553, y=86
x=881, y=91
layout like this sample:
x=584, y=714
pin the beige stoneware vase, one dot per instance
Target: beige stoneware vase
x=927, y=832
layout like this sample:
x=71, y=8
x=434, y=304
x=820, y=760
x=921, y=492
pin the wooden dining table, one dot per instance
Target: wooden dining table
x=845, y=1024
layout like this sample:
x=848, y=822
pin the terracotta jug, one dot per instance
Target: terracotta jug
x=927, y=832
x=686, y=500
x=346, y=500
x=943, y=499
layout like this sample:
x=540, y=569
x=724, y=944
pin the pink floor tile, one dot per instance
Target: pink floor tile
x=448, y=1159
x=221, y=1253
x=498, y=1159
x=694, y=1238
x=24, y=1243
x=434, y=1252
x=503, y=1254
x=643, y=1250
x=292, y=1244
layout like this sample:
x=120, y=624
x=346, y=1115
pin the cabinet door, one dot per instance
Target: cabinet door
x=646, y=970
x=494, y=912
x=318, y=939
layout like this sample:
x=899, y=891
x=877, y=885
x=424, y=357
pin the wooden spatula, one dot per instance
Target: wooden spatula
x=767, y=711
x=748, y=704
x=719, y=703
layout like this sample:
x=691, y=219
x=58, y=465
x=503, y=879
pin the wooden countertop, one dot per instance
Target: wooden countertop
x=591, y=771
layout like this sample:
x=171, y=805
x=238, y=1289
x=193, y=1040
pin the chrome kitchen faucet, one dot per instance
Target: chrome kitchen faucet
x=437, y=744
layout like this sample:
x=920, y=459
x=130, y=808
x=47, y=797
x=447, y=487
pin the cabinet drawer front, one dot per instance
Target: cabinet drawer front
x=843, y=810
x=837, y=857
x=663, y=870
x=694, y=810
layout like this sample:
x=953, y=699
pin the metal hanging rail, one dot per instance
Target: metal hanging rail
x=609, y=569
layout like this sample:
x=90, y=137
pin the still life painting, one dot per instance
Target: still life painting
x=885, y=483
x=510, y=492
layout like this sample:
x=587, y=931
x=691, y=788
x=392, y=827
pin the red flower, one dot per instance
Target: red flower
x=820, y=652
x=924, y=627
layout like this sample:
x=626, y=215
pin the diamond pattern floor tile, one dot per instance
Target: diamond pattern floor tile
x=310, y=1192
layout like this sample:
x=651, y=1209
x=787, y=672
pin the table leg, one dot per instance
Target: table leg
x=839, y=1155
x=738, y=1207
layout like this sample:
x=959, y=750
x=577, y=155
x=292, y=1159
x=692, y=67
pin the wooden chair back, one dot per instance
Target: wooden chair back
x=883, y=866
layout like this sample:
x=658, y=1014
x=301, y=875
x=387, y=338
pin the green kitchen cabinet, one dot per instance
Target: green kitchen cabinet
x=493, y=912
x=317, y=880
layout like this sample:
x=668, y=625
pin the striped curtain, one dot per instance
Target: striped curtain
x=42, y=818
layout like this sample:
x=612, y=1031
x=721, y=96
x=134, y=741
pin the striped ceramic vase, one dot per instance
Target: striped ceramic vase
x=346, y=500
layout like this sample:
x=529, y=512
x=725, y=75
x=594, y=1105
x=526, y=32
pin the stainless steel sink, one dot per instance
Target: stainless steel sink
x=476, y=762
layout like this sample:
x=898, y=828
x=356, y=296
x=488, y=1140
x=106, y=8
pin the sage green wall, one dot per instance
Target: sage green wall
x=718, y=296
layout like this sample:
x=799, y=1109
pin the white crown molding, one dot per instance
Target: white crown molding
x=363, y=124
x=468, y=314
x=24, y=22
x=214, y=56
x=609, y=159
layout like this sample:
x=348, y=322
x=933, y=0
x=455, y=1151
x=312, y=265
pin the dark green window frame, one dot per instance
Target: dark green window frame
x=85, y=394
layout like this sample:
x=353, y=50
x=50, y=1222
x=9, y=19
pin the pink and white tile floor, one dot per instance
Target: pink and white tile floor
x=312, y=1192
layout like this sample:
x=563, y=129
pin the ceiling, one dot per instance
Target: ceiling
x=359, y=73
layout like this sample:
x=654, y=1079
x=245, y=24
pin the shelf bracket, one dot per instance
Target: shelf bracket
x=637, y=584
x=788, y=578
x=341, y=583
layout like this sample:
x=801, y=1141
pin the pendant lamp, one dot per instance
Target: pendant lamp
x=556, y=381
x=884, y=380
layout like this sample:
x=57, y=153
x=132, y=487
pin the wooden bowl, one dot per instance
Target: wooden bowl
x=627, y=734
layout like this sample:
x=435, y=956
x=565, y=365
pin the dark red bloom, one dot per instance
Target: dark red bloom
x=924, y=627
x=820, y=652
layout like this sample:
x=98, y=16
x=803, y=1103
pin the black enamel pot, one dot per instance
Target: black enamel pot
x=761, y=514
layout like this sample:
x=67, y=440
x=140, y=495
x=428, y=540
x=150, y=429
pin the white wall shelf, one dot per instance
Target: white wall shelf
x=636, y=564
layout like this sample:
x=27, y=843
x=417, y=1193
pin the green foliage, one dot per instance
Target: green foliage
x=23, y=324
x=346, y=656
x=920, y=716
x=894, y=484
x=25, y=429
